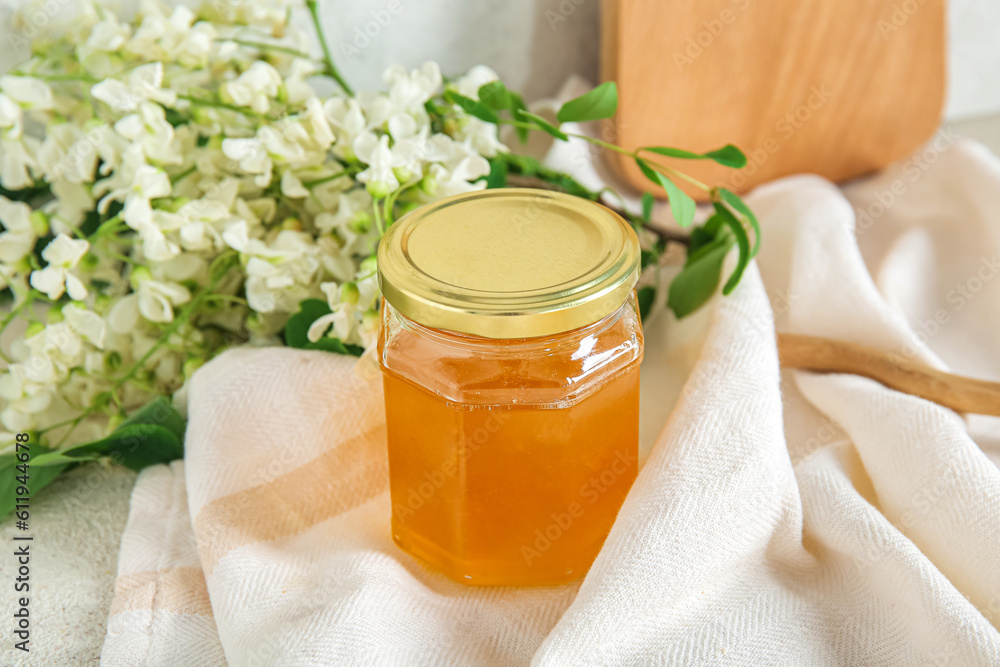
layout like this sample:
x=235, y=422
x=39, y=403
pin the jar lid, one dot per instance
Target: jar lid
x=508, y=263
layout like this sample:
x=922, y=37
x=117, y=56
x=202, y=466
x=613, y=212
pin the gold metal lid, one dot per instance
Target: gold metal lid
x=508, y=263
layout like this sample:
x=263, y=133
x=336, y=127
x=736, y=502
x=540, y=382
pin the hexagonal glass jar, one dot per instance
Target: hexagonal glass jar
x=510, y=455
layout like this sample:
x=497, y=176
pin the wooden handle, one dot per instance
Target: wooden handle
x=959, y=393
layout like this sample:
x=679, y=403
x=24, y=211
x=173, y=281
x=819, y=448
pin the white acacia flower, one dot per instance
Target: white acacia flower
x=144, y=83
x=191, y=47
x=17, y=160
x=62, y=254
x=26, y=91
x=470, y=83
x=69, y=206
x=149, y=128
x=67, y=154
x=10, y=114
x=108, y=35
x=297, y=87
x=18, y=237
x=199, y=223
x=279, y=274
x=481, y=137
x=317, y=126
x=301, y=140
x=24, y=399
x=154, y=300
x=349, y=303
x=252, y=157
x=375, y=152
x=348, y=121
x=255, y=88
x=172, y=37
x=86, y=323
x=146, y=183
x=156, y=247
x=352, y=222
x=60, y=344
x=446, y=182
x=458, y=165
x=409, y=91
x=291, y=186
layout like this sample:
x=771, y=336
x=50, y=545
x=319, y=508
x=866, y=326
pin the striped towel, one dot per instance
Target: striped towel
x=779, y=517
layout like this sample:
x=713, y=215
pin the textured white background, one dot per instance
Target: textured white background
x=536, y=44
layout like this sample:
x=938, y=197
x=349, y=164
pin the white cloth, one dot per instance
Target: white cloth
x=781, y=517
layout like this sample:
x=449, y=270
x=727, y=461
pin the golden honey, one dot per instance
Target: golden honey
x=510, y=350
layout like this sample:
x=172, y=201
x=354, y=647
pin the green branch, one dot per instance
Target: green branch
x=330, y=68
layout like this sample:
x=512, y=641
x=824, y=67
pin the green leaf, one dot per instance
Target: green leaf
x=645, y=296
x=740, y=232
x=38, y=477
x=705, y=234
x=494, y=95
x=647, y=207
x=697, y=281
x=601, y=102
x=523, y=164
x=516, y=104
x=472, y=107
x=497, y=177
x=741, y=207
x=682, y=206
x=173, y=117
x=154, y=434
x=541, y=124
x=728, y=155
x=297, y=330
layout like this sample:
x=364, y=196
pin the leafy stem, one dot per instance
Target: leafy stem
x=330, y=68
x=221, y=105
x=264, y=46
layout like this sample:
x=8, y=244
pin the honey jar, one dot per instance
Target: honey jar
x=510, y=349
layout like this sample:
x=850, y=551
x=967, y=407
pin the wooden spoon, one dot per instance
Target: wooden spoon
x=959, y=393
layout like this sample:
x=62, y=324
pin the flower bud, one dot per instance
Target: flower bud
x=402, y=174
x=33, y=329
x=140, y=274
x=428, y=184
x=368, y=265
x=349, y=293
x=453, y=125
x=201, y=115
x=89, y=262
x=293, y=224
x=54, y=316
x=39, y=223
x=360, y=222
x=378, y=189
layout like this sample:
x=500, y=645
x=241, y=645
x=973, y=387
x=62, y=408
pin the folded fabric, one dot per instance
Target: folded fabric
x=780, y=517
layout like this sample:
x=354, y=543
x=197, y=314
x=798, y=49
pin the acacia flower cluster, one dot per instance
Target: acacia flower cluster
x=173, y=184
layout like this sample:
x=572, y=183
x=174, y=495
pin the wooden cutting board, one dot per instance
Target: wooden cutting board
x=837, y=88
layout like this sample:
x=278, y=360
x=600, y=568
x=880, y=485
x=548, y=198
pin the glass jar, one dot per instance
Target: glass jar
x=510, y=349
